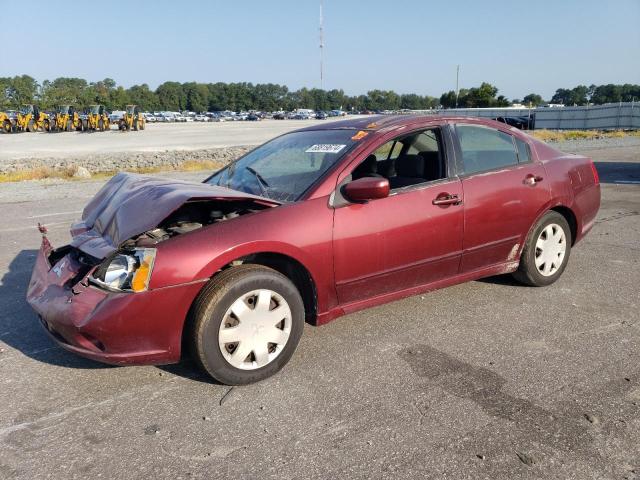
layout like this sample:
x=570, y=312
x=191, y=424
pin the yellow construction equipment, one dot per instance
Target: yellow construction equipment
x=132, y=119
x=29, y=119
x=5, y=122
x=96, y=119
x=66, y=119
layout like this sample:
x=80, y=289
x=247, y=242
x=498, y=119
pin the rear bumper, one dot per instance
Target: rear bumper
x=112, y=327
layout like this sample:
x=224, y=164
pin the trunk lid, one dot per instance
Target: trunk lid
x=130, y=204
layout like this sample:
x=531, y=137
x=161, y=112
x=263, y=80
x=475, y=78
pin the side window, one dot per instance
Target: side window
x=426, y=141
x=389, y=150
x=484, y=148
x=405, y=161
x=523, y=151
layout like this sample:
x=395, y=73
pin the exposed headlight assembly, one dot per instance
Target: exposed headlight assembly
x=128, y=271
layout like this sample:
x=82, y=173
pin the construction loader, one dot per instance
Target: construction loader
x=96, y=118
x=5, y=122
x=132, y=119
x=66, y=119
x=28, y=119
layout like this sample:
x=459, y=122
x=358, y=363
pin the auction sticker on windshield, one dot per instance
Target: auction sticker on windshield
x=325, y=148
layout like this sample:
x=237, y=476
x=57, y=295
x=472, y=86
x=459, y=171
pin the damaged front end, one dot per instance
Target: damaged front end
x=93, y=295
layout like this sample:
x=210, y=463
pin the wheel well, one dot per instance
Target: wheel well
x=294, y=271
x=287, y=266
x=570, y=217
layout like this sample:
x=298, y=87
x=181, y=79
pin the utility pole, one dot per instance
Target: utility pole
x=457, y=84
x=321, y=47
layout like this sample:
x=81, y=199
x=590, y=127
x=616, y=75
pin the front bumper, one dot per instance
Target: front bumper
x=120, y=328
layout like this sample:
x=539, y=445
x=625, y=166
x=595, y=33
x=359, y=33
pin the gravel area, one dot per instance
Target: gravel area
x=596, y=144
x=109, y=162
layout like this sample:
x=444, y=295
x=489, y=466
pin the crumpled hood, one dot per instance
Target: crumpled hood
x=130, y=204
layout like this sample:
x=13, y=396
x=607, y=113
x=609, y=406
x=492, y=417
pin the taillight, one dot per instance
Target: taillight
x=596, y=177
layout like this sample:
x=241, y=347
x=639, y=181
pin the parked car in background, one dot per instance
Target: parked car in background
x=116, y=116
x=279, y=116
x=201, y=117
x=520, y=122
x=149, y=118
x=321, y=116
x=292, y=232
x=253, y=117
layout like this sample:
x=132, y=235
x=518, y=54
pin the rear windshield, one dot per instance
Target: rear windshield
x=284, y=168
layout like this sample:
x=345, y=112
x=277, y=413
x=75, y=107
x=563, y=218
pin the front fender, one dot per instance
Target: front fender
x=250, y=248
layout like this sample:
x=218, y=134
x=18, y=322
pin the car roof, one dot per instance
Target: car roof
x=390, y=122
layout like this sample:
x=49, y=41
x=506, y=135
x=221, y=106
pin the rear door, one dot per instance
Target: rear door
x=504, y=190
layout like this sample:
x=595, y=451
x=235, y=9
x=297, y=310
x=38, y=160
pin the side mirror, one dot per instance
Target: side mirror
x=367, y=188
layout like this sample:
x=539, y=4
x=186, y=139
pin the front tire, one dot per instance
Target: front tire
x=546, y=253
x=247, y=322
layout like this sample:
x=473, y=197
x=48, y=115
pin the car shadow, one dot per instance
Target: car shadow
x=19, y=325
x=504, y=280
x=188, y=369
x=618, y=172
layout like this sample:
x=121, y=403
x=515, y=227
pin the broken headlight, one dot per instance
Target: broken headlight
x=127, y=271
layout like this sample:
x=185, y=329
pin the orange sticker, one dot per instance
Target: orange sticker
x=372, y=125
x=360, y=135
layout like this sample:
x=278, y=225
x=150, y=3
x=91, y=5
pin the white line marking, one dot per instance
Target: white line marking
x=631, y=182
x=53, y=214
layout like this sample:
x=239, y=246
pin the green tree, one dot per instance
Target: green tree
x=171, y=96
x=532, y=99
x=142, y=96
x=448, y=99
x=197, y=96
x=118, y=99
x=20, y=90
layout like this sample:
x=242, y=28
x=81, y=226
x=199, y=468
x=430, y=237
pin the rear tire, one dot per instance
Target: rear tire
x=101, y=125
x=546, y=253
x=69, y=126
x=212, y=307
x=6, y=126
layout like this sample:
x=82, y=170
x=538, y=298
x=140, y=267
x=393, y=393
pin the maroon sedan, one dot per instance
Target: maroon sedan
x=312, y=225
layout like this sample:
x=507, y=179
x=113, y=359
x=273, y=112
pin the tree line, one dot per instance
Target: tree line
x=200, y=97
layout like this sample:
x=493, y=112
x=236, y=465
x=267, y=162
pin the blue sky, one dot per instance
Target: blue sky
x=404, y=45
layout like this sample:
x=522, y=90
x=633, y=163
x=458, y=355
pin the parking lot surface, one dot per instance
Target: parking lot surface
x=487, y=379
x=155, y=138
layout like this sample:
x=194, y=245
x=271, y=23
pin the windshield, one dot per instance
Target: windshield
x=26, y=109
x=94, y=109
x=63, y=109
x=284, y=168
x=130, y=109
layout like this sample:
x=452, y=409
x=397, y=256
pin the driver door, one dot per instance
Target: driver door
x=408, y=239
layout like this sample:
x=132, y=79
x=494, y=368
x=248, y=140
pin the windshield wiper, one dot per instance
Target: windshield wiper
x=261, y=181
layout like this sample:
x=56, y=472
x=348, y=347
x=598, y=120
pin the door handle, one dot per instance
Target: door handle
x=531, y=179
x=446, y=199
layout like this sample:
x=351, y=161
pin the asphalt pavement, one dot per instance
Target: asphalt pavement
x=483, y=380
